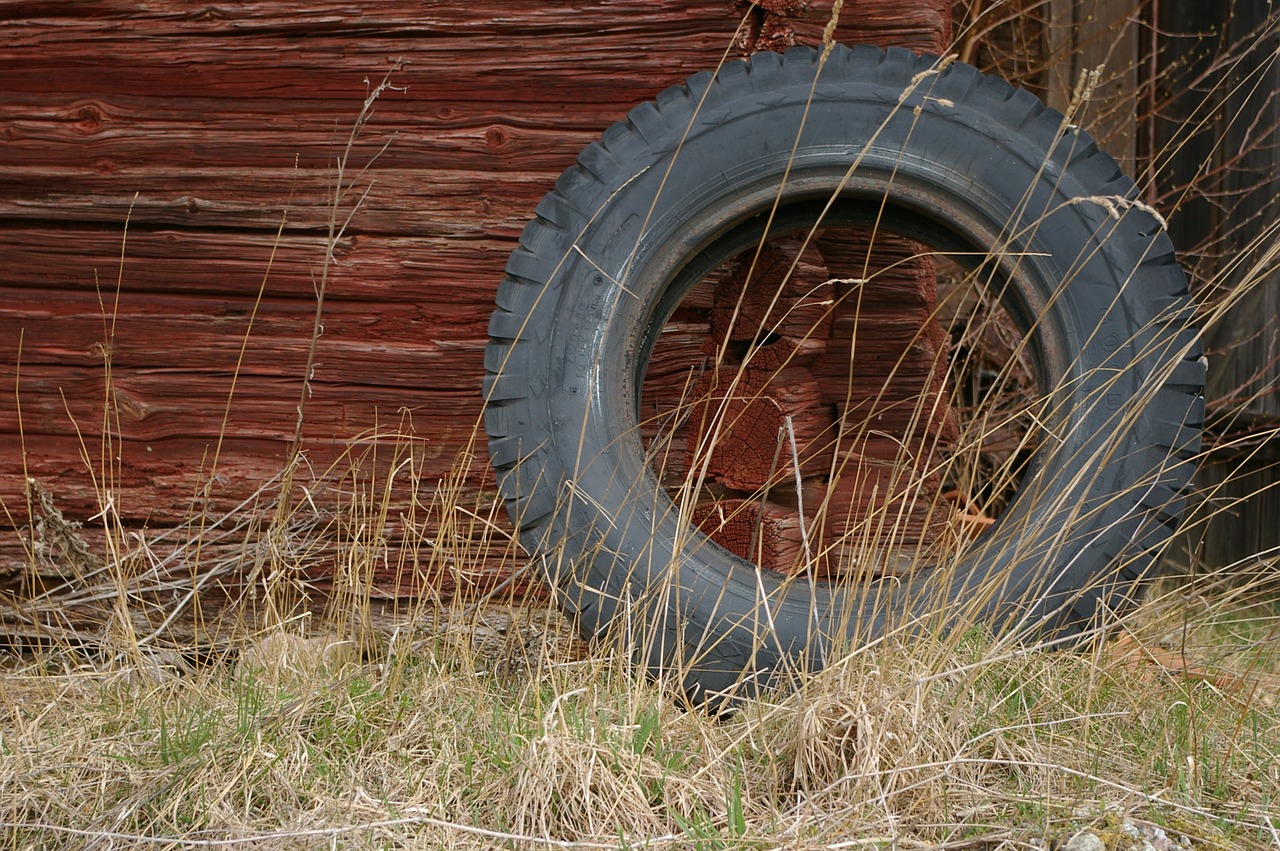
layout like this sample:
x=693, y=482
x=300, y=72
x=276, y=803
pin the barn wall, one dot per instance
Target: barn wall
x=1220, y=113
x=166, y=197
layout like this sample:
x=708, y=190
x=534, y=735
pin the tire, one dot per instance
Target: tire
x=943, y=155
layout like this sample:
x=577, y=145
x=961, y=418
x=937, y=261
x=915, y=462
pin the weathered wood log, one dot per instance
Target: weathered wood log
x=869, y=438
x=887, y=501
x=775, y=305
x=741, y=426
x=399, y=201
x=887, y=375
x=68, y=581
x=760, y=531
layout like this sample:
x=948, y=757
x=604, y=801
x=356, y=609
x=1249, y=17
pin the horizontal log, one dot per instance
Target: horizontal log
x=494, y=67
x=451, y=280
x=152, y=404
x=519, y=23
x=158, y=482
x=923, y=26
x=173, y=489
x=396, y=563
x=411, y=346
x=162, y=480
x=261, y=18
x=398, y=201
x=121, y=143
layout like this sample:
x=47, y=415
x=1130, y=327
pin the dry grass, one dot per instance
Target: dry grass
x=436, y=740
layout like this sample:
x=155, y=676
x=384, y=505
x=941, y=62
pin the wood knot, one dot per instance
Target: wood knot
x=129, y=405
x=86, y=118
x=497, y=137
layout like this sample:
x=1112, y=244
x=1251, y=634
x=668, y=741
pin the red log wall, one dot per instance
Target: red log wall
x=163, y=165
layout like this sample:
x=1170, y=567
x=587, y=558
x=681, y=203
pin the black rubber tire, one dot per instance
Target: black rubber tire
x=948, y=156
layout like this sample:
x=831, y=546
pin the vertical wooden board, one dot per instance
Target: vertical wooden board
x=1219, y=110
x=1247, y=161
x=1096, y=37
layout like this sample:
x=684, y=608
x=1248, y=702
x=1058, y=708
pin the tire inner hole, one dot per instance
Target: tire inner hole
x=852, y=403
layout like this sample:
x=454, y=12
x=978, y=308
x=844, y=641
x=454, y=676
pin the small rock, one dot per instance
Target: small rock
x=1160, y=841
x=1084, y=841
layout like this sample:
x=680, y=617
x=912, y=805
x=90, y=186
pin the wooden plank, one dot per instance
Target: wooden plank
x=229, y=267
x=1217, y=108
x=156, y=484
x=399, y=201
x=383, y=497
x=111, y=133
x=168, y=483
x=1088, y=36
x=1246, y=159
x=923, y=25
x=156, y=403
x=397, y=556
x=419, y=347
x=519, y=22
